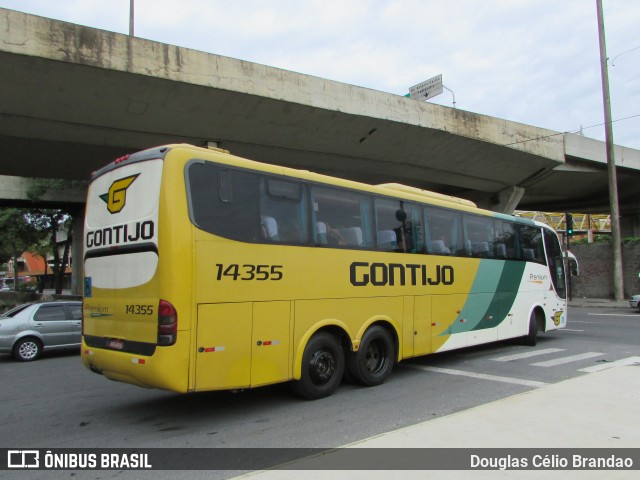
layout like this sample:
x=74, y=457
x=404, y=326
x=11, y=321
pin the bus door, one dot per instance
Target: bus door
x=449, y=328
x=489, y=310
x=270, y=342
x=421, y=328
x=242, y=344
x=463, y=320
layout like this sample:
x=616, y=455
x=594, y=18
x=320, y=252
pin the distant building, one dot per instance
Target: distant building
x=32, y=267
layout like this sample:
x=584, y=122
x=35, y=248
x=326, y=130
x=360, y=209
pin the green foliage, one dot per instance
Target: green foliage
x=597, y=238
x=17, y=233
x=50, y=221
x=36, y=230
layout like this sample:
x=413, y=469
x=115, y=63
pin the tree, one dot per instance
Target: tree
x=17, y=234
x=49, y=222
x=42, y=250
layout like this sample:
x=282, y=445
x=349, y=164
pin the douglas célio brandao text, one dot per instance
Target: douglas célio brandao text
x=550, y=461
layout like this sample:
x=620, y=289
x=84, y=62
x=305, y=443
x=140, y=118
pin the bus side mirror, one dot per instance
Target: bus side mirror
x=573, y=267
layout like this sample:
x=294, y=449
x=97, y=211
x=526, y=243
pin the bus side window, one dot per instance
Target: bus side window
x=224, y=201
x=342, y=218
x=283, y=211
x=391, y=229
x=505, y=240
x=398, y=226
x=479, y=236
x=444, y=234
x=531, y=244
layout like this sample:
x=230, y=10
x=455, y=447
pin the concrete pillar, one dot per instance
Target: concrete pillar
x=77, y=243
x=508, y=200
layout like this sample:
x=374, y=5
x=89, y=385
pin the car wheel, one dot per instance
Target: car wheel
x=27, y=349
x=322, y=367
x=372, y=364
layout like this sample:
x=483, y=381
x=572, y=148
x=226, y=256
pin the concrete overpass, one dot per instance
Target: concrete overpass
x=74, y=98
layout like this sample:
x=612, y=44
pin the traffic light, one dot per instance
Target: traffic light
x=569, y=222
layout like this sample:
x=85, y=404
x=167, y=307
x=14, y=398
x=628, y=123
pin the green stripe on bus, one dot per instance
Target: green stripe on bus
x=492, y=294
x=505, y=294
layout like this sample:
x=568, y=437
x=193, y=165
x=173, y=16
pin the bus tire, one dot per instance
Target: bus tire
x=531, y=338
x=372, y=364
x=323, y=366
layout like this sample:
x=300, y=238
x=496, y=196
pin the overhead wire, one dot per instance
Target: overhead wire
x=571, y=131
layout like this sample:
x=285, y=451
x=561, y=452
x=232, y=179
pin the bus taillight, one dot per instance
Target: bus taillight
x=167, y=324
x=121, y=159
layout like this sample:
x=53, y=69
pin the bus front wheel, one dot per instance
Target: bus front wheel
x=531, y=338
x=372, y=364
x=322, y=367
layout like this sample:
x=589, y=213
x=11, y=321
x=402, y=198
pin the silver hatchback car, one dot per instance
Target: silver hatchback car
x=27, y=330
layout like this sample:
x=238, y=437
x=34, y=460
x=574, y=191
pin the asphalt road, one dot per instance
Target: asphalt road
x=56, y=403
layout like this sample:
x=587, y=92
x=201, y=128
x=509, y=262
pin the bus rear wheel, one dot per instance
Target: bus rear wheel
x=323, y=366
x=372, y=364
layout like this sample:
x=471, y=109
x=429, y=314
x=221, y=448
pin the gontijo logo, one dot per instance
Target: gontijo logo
x=116, y=198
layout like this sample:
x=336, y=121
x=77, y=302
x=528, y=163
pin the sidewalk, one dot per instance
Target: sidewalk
x=596, y=410
x=600, y=303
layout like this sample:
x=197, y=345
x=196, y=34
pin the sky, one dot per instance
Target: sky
x=530, y=61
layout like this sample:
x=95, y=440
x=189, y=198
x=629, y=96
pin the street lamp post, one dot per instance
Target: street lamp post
x=131, y=9
x=618, y=288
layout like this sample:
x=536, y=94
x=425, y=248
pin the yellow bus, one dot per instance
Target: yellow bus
x=206, y=271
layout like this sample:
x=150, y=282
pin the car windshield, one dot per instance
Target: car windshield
x=14, y=311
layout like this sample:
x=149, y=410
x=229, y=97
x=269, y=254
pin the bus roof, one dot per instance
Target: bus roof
x=392, y=189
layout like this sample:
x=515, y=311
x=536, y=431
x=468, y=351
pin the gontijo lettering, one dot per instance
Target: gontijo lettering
x=120, y=234
x=383, y=274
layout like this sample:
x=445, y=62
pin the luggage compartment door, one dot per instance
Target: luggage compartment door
x=223, y=346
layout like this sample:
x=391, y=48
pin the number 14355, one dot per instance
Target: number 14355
x=248, y=272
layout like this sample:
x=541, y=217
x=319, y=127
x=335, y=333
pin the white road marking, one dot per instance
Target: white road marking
x=572, y=358
x=533, y=353
x=607, y=365
x=481, y=376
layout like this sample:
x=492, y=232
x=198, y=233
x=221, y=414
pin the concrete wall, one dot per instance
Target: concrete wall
x=596, y=270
